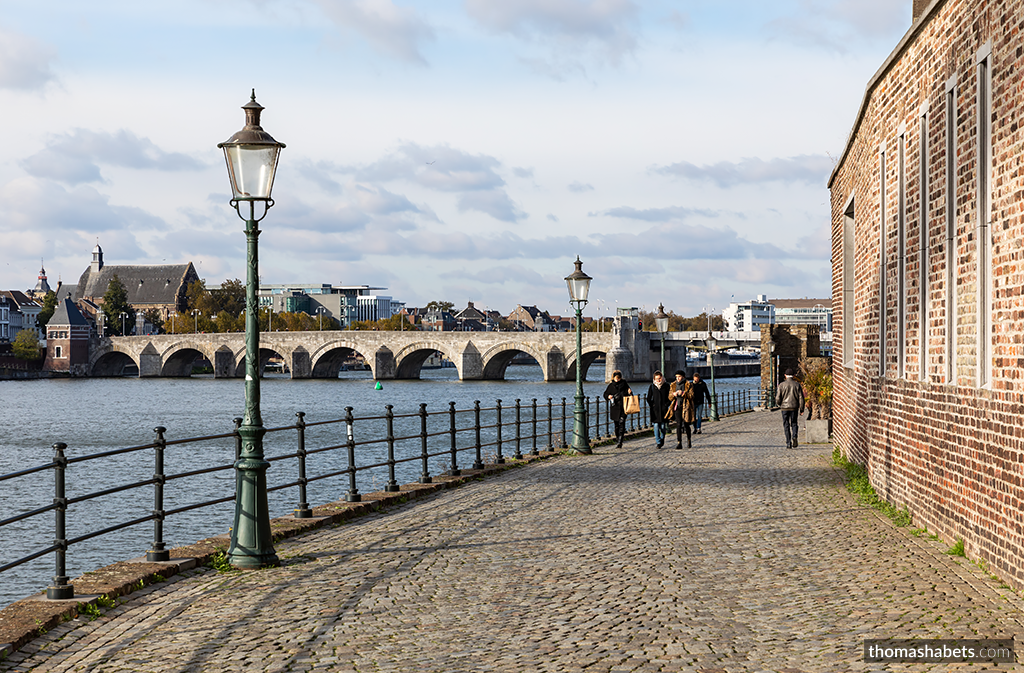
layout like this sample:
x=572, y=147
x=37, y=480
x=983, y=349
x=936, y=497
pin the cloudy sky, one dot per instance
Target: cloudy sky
x=452, y=149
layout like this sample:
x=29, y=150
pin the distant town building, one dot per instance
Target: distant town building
x=67, y=340
x=159, y=286
x=42, y=286
x=344, y=303
x=29, y=309
x=436, y=320
x=530, y=318
x=749, y=316
x=472, y=319
x=804, y=312
x=10, y=318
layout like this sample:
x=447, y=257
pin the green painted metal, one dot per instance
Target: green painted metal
x=580, y=432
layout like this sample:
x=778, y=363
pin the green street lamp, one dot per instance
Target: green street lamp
x=251, y=156
x=579, y=288
x=712, y=344
x=661, y=324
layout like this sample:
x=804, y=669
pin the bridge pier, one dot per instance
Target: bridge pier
x=150, y=363
x=384, y=366
x=223, y=363
x=301, y=366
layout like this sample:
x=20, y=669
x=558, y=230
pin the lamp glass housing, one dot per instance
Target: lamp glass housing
x=661, y=324
x=578, y=283
x=251, y=169
x=711, y=342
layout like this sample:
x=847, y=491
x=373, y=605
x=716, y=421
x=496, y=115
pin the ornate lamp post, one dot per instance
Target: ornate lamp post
x=123, y=316
x=661, y=324
x=579, y=288
x=712, y=344
x=251, y=156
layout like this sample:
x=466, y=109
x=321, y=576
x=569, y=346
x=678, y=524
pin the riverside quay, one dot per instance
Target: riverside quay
x=735, y=555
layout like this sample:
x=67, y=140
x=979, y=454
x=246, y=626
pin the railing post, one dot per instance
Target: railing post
x=478, y=464
x=238, y=440
x=534, y=451
x=60, y=590
x=500, y=459
x=565, y=442
x=392, y=484
x=607, y=419
x=597, y=418
x=519, y=432
x=302, y=511
x=158, y=553
x=455, y=466
x=643, y=405
x=551, y=436
x=353, y=492
x=425, y=475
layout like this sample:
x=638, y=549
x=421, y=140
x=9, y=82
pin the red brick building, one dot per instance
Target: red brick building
x=927, y=269
x=67, y=340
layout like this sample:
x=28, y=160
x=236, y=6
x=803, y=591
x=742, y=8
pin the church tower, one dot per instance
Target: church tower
x=42, y=287
x=97, y=258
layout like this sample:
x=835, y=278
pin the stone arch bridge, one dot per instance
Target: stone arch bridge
x=390, y=355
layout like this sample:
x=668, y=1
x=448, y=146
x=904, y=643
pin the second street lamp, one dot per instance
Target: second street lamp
x=251, y=156
x=661, y=324
x=579, y=288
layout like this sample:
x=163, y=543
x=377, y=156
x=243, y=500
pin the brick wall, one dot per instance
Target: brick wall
x=939, y=438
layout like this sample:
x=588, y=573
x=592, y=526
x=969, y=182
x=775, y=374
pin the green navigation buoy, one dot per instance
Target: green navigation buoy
x=378, y=386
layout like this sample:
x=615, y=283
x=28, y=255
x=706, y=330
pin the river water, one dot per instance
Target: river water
x=94, y=415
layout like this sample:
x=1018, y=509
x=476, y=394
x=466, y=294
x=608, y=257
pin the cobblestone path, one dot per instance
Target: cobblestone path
x=737, y=555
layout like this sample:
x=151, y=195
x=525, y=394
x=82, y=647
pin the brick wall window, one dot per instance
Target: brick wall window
x=924, y=247
x=950, y=206
x=881, y=264
x=58, y=352
x=901, y=252
x=984, y=276
x=849, y=260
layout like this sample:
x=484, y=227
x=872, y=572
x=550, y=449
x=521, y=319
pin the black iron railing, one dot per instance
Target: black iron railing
x=380, y=444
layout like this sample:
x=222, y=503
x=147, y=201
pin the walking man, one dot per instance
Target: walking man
x=701, y=394
x=657, y=400
x=680, y=395
x=791, y=402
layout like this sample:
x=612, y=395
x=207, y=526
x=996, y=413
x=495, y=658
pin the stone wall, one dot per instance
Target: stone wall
x=935, y=407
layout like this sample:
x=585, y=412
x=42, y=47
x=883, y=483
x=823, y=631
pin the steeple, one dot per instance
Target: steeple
x=42, y=287
x=97, y=258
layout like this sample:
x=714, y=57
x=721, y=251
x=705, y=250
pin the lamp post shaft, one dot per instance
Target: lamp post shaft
x=714, y=398
x=662, y=335
x=580, y=431
x=251, y=543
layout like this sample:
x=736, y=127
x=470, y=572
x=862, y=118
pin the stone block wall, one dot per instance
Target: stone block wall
x=929, y=394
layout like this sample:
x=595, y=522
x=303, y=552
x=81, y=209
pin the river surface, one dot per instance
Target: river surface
x=94, y=415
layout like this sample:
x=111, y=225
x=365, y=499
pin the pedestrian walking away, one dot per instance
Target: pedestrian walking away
x=657, y=400
x=681, y=396
x=615, y=391
x=791, y=402
x=701, y=394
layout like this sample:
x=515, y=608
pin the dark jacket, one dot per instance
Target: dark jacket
x=701, y=394
x=790, y=395
x=657, y=400
x=616, y=390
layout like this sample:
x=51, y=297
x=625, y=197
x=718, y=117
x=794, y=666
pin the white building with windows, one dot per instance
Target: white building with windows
x=749, y=316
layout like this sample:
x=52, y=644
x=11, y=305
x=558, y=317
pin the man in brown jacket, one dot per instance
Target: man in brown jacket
x=680, y=395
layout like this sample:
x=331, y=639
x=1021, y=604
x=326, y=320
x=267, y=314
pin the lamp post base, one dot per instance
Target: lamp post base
x=252, y=543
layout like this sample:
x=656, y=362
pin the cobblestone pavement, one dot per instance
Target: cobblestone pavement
x=737, y=555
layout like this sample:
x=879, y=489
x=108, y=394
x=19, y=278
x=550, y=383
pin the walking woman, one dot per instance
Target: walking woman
x=657, y=400
x=615, y=391
x=680, y=393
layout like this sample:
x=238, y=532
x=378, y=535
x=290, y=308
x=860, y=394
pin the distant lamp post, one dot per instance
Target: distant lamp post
x=712, y=344
x=320, y=310
x=123, y=316
x=771, y=372
x=579, y=288
x=195, y=314
x=661, y=324
x=251, y=155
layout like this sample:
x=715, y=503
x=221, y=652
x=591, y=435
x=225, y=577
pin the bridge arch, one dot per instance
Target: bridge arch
x=410, y=358
x=497, y=358
x=113, y=361
x=326, y=360
x=265, y=355
x=587, y=358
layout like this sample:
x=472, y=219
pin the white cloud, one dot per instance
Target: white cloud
x=808, y=168
x=74, y=157
x=580, y=187
x=391, y=30
x=25, y=63
x=835, y=24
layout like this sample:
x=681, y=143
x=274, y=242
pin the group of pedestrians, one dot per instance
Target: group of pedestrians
x=683, y=401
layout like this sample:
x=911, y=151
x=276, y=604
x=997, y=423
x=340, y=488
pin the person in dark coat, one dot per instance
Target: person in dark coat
x=615, y=391
x=680, y=393
x=657, y=400
x=701, y=394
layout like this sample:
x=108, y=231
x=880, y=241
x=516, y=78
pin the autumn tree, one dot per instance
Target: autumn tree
x=26, y=345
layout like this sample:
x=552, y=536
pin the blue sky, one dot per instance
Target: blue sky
x=458, y=149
